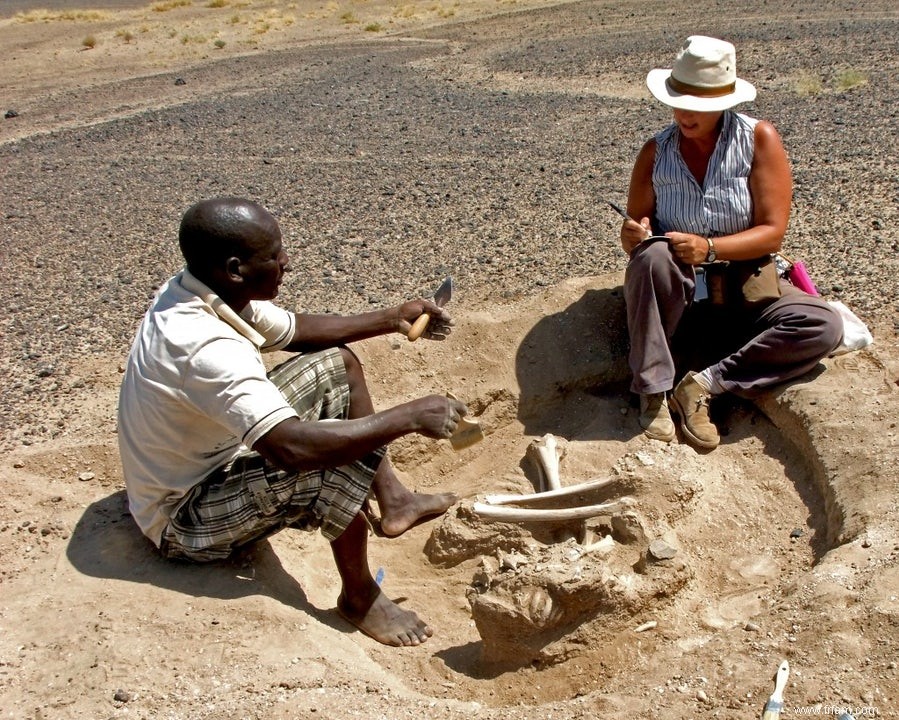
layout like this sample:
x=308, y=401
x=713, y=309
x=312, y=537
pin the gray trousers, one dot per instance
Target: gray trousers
x=748, y=351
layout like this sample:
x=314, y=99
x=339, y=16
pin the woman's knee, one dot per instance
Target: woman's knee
x=831, y=334
x=652, y=256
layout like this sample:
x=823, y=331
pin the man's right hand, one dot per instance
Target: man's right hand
x=437, y=416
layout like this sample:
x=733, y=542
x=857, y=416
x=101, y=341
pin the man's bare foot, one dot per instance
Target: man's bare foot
x=386, y=622
x=417, y=509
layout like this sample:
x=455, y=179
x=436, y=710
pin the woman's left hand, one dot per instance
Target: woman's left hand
x=688, y=248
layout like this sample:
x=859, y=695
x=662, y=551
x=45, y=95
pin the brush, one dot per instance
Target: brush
x=776, y=702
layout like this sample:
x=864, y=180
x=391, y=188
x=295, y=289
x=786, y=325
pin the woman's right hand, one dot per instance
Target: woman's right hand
x=633, y=233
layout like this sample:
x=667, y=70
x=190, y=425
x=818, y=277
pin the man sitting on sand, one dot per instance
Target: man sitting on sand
x=217, y=453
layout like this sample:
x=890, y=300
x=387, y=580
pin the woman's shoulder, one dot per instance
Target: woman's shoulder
x=664, y=137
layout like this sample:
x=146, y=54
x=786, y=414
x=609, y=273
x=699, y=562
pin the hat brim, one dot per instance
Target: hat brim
x=656, y=82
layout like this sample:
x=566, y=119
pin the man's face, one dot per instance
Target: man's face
x=264, y=267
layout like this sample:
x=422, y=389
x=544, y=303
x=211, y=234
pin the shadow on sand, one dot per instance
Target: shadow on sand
x=106, y=543
x=581, y=350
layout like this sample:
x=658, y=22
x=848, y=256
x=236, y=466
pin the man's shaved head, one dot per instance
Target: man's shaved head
x=214, y=230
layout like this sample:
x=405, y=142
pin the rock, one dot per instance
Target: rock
x=86, y=476
x=660, y=550
x=11, y=114
x=121, y=696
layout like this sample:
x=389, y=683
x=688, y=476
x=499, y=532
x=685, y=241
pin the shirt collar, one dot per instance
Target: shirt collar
x=224, y=311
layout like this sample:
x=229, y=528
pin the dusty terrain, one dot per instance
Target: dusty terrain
x=398, y=143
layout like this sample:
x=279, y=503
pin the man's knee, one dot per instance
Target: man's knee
x=352, y=364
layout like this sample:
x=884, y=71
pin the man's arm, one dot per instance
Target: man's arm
x=295, y=445
x=318, y=332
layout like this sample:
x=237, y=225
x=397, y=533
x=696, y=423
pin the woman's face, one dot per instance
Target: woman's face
x=695, y=125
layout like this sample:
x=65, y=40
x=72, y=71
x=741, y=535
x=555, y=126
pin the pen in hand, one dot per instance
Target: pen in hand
x=620, y=211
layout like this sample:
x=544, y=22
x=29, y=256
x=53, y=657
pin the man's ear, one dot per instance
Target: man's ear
x=232, y=270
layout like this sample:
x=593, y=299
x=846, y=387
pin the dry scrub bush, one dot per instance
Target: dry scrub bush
x=170, y=5
x=47, y=16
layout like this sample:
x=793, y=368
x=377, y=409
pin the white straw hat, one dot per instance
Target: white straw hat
x=704, y=78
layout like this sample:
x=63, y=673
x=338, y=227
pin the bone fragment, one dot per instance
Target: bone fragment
x=601, y=547
x=646, y=626
x=546, y=453
x=532, y=498
x=511, y=514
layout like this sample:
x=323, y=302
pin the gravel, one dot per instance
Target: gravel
x=486, y=151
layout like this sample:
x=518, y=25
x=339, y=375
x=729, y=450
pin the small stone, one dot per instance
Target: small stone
x=121, y=696
x=701, y=696
x=85, y=476
x=751, y=627
x=18, y=464
x=11, y=114
x=796, y=533
x=180, y=81
x=660, y=550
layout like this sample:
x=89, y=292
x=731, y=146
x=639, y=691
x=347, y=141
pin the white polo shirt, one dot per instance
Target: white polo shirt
x=194, y=394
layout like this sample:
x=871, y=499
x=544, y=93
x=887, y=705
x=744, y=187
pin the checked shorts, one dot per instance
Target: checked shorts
x=250, y=499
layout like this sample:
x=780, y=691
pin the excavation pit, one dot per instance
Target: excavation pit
x=554, y=610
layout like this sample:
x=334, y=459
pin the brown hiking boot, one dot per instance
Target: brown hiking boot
x=654, y=417
x=691, y=402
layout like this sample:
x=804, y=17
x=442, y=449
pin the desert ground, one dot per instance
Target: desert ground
x=397, y=143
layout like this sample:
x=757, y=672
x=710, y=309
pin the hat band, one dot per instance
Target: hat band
x=687, y=89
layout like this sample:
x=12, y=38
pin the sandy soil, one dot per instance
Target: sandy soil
x=786, y=536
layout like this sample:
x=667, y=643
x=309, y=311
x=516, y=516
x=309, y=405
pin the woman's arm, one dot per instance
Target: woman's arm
x=641, y=199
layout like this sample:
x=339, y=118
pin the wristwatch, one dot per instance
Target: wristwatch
x=713, y=255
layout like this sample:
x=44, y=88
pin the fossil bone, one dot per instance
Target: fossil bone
x=533, y=498
x=546, y=453
x=512, y=514
x=600, y=547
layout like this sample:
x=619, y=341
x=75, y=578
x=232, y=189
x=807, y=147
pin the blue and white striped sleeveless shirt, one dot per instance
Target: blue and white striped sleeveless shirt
x=723, y=205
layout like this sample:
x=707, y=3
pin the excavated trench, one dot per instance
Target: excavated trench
x=686, y=546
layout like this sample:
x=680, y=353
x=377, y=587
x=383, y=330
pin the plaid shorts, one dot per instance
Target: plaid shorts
x=250, y=498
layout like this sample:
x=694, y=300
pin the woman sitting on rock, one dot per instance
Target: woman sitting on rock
x=713, y=186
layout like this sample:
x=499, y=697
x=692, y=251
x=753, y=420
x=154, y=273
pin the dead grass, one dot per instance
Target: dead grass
x=850, y=78
x=65, y=15
x=170, y=5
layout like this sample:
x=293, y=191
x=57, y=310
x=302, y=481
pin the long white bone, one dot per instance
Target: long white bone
x=512, y=514
x=546, y=454
x=535, y=498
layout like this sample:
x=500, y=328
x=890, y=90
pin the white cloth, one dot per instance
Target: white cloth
x=855, y=333
x=194, y=394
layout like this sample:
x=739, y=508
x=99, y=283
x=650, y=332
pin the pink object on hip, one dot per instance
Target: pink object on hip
x=799, y=277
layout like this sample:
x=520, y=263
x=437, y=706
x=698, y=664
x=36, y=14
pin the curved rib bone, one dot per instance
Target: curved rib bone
x=546, y=453
x=511, y=514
